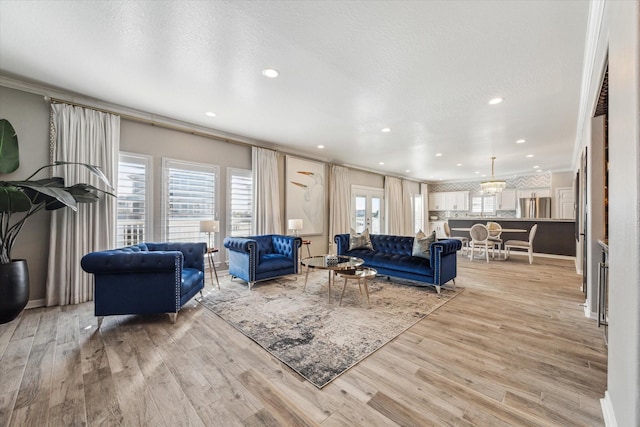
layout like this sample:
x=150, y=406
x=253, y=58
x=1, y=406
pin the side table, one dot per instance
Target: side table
x=361, y=274
x=212, y=265
x=307, y=243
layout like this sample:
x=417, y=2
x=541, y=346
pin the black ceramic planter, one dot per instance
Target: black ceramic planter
x=14, y=289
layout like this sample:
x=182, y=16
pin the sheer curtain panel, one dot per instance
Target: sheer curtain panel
x=340, y=202
x=92, y=137
x=424, y=191
x=393, y=200
x=407, y=208
x=266, y=195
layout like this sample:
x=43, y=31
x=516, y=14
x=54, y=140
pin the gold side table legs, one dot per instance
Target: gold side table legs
x=212, y=265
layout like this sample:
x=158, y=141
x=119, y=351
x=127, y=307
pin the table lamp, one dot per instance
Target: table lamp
x=295, y=225
x=209, y=227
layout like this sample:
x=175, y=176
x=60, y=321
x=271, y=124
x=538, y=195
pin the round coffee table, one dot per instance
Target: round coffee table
x=361, y=274
x=332, y=263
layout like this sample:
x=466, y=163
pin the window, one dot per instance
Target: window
x=484, y=204
x=133, y=223
x=416, y=199
x=240, y=202
x=189, y=197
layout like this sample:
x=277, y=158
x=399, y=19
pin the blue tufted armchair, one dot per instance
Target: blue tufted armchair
x=258, y=258
x=146, y=278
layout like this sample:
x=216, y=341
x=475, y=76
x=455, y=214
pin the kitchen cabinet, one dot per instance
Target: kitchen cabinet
x=506, y=200
x=438, y=227
x=449, y=201
x=437, y=201
x=457, y=201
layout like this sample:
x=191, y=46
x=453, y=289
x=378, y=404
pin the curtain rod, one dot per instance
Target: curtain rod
x=185, y=129
x=151, y=122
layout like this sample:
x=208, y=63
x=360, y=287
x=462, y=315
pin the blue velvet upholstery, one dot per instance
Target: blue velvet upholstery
x=391, y=256
x=146, y=278
x=258, y=258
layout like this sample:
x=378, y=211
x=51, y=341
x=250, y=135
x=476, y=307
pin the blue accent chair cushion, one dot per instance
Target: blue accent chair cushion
x=146, y=278
x=392, y=256
x=263, y=257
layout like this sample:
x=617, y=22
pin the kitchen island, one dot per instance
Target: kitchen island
x=554, y=236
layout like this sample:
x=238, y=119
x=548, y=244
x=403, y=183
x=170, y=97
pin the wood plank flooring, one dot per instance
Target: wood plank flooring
x=514, y=349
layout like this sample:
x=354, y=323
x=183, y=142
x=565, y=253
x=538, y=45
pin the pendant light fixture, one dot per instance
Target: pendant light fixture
x=493, y=186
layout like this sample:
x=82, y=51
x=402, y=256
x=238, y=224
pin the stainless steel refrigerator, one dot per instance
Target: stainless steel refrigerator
x=534, y=207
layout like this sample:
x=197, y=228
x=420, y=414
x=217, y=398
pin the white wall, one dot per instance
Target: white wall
x=29, y=115
x=618, y=39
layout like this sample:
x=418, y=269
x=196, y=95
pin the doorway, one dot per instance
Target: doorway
x=367, y=209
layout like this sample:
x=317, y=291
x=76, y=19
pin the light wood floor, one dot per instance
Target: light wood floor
x=514, y=349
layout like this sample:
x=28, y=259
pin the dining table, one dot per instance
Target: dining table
x=504, y=230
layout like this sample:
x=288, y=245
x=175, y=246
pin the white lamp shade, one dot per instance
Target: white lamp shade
x=210, y=226
x=295, y=224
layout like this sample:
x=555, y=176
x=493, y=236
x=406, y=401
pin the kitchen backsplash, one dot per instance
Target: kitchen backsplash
x=539, y=180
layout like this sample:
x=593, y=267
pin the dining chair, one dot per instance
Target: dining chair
x=495, y=233
x=479, y=239
x=463, y=240
x=522, y=244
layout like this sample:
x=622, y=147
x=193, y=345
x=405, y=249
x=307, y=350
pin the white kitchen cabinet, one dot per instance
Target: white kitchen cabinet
x=449, y=201
x=506, y=200
x=457, y=201
x=438, y=227
x=437, y=201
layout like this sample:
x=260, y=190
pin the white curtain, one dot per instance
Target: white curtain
x=424, y=191
x=407, y=209
x=92, y=137
x=340, y=202
x=266, y=192
x=393, y=202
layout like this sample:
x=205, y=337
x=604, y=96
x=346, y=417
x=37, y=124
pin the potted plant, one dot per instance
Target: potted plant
x=19, y=201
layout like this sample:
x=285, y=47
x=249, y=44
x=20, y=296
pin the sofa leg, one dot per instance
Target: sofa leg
x=438, y=289
x=251, y=285
x=173, y=317
x=454, y=282
x=100, y=320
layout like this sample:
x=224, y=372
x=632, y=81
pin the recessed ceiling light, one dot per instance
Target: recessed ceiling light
x=438, y=154
x=521, y=141
x=483, y=175
x=321, y=146
x=459, y=164
x=385, y=130
x=408, y=170
x=272, y=73
x=476, y=172
x=381, y=163
x=539, y=170
x=529, y=155
x=210, y=114
x=495, y=101
x=536, y=167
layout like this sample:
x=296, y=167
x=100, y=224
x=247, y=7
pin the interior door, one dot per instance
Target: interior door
x=367, y=209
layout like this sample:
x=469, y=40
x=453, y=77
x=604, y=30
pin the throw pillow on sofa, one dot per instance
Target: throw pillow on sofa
x=360, y=241
x=422, y=244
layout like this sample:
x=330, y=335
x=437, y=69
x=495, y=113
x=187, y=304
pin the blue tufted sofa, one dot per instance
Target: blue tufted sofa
x=263, y=257
x=391, y=256
x=146, y=278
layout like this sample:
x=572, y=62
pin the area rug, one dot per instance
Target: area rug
x=316, y=337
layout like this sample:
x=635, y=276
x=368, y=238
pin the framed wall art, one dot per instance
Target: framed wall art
x=305, y=194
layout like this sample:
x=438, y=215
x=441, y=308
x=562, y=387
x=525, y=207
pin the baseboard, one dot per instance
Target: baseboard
x=589, y=314
x=535, y=254
x=35, y=303
x=607, y=411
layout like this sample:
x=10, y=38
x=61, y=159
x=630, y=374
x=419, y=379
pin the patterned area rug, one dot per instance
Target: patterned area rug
x=320, y=339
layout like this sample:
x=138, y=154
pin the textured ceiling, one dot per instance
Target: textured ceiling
x=348, y=69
